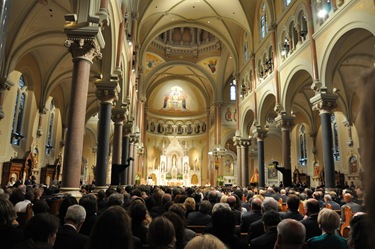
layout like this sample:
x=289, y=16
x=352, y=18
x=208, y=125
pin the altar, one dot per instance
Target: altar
x=175, y=168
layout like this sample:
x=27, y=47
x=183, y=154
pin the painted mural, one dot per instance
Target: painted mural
x=176, y=100
x=230, y=113
x=152, y=61
x=210, y=64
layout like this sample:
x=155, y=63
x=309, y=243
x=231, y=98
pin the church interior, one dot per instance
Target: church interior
x=183, y=92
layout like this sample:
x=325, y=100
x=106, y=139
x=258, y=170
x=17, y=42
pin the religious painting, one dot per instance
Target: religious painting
x=316, y=168
x=175, y=100
x=210, y=64
x=230, y=114
x=272, y=171
x=353, y=164
x=228, y=165
x=152, y=61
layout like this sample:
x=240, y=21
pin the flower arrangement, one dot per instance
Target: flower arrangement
x=179, y=176
x=220, y=180
x=168, y=176
x=137, y=179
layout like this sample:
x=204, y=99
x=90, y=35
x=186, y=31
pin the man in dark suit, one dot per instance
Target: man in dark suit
x=293, y=205
x=311, y=222
x=256, y=229
x=328, y=200
x=201, y=217
x=68, y=235
x=252, y=216
x=270, y=221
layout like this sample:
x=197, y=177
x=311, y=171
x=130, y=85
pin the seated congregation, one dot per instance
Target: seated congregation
x=183, y=217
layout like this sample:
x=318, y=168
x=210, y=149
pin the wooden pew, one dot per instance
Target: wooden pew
x=345, y=226
x=24, y=217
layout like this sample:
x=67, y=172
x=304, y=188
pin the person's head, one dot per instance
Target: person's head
x=312, y=206
x=137, y=212
x=89, y=203
x=161, y=233
x=16, y=196
x=293, y=202
x=75, y=215
x=348, y=197
x=223, y=221
x=270, y=219
x=256, y=204
x=115, y=199
x=269, y=204
x=290, y=234
x=111, y=228
x=7, y=213
x=205, y=207
x=189, y=204
x=328, y=220
x=40, y=206
x=327, y=198
x=42, y=228
x=179, y=209
x=205, y=241
x=65, y=204
x=359, y=235
x=179, y=227
x=220, y=205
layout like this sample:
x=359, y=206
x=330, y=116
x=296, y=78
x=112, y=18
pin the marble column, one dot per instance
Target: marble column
x=237, y=143
x=245, y=143
x=118, y=117
x=106, y=92
x=242, y=145
x=4, y=86
x=5, y=6
x=124, y=176
x=325, y=103
x=260, y=134
x=285, y=122
x=84, y=50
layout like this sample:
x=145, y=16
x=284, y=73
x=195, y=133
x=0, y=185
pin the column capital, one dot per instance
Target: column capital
x=118, y=115
x=5, y=84
x=241, y=142
x=107, y=91
x=260, y=133
x=285, y=121
x=324, y=102
x=85, y=48
x=127, y=128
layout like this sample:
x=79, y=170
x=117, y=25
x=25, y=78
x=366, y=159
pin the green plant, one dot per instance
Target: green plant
x=168, y=176
x=220, y=180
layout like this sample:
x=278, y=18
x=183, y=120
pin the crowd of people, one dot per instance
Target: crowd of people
x=183, y=217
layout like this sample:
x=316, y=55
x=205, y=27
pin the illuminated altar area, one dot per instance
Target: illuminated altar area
x=175, y=168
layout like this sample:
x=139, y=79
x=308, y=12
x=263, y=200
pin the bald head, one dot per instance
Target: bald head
x=290, y=234
x=312, y=206
x=256, y=204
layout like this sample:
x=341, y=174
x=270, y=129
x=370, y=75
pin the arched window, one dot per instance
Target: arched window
x=19, y=110
x=335, y=137
x=287, y=2
x=233, y=90
x=263, y=21
x=302, y=146
x=49, y=146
